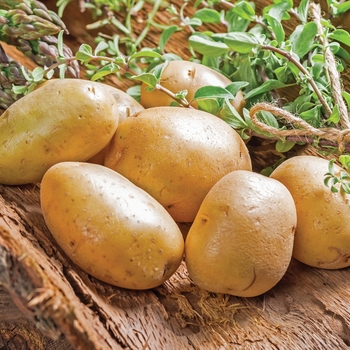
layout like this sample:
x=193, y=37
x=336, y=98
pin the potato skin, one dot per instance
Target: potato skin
x=322, y=237
x=176, y=154
x=182, y=75
x=127, y=106
x=109, y=227
x=241, y=240
x=68, y=119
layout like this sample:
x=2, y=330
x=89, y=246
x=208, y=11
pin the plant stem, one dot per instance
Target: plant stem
x=303, y=70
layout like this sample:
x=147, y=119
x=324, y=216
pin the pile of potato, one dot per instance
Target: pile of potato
x=116, y=177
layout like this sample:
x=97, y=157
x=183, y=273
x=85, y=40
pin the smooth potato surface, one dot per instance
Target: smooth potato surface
x=176, y=155
x=127, y=106
x=182, y=75
x=322, y=237
x=241, y=240
x=109, y=227
x=68, y=119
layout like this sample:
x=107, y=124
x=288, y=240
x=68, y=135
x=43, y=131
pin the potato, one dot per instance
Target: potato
x=176, y=155
x=110, y=228
x=68, y=119
x=127, y=106
x=241, y=240
x=322, y=237
x=183, y=75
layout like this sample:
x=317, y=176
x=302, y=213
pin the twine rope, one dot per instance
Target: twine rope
x=299, y=126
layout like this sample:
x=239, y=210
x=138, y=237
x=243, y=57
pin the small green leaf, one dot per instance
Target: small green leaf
x=19, y=89
x=346, y=97
x=303, y=38
x=229, y=114
x=335, y=115
x=341, y=35
x=207, y=15
x=344, y=159
x=145, y=53
x=181, y=95
x=244, y=10
x=276, y=27
x=241, y=42
x=212, y=92
x=267, y=86
x=38, y=74
x=209, y=105
x=60, y=43
x=236, y=86
x=147, y=78
x=104, y=71
x=102, y=45
x=303, y=10
x=284, y=146
x=343, y=7
x=206, y=46
x=84, y=53
x=165, y=36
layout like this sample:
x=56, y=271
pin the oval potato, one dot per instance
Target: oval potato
x=127, y=106
x=176, y=154
x=68, y=119
x=110, y=228
x=182, y=75
x=241, y=240
x=322, y=237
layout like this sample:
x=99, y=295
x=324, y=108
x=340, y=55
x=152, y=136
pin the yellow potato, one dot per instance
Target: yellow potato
x=241, y=241
x=110, y=228
x=69, y=119
x=176, y=154
x=182, y=75
x=322, y=237
x=127, y=106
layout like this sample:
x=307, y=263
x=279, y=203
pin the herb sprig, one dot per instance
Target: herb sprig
x=253, y=48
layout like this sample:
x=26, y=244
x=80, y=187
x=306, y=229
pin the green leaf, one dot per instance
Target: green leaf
x=241, y=42
x=236, y=23
x=276, y=27
x=102, y=45
x=212, y=92
x=209, y=105
x=303, y=10
x=341, y=35
x=236, y=86
x=343, y=7
x=38, y=74
x=312, y=116
x=346, y=97
x=165, y=36
x=104, y=71
x=229, y=114
x=84, y=53
x=335, y=115
x=268, y=119
x=267, y=86
x=207, y=15
x=60, y=43
x=145, y=53
x=19, y=89
x=303, y=38
x=147, y=78
x=284, y=146
x=344, y=159
x=206, y=46
x=244, y=10
x=279, y=9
